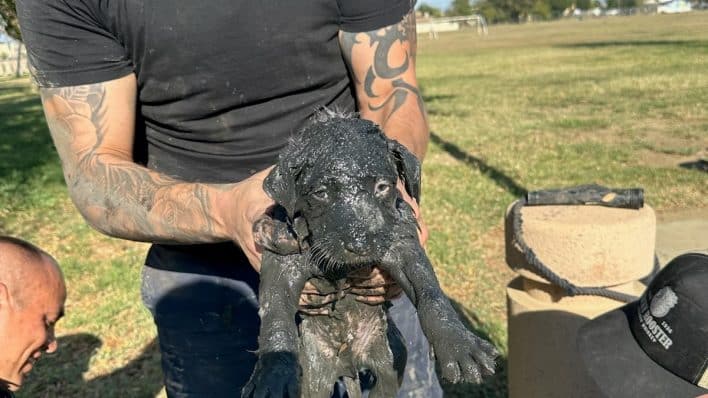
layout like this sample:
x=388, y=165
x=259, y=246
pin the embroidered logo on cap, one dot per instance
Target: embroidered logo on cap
x=664, y=300
x=657, y=332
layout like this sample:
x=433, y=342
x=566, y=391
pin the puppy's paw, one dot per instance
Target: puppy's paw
x=463, y=357
x=276, y=375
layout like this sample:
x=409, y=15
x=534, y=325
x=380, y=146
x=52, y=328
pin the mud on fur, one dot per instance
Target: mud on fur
x=338, y=211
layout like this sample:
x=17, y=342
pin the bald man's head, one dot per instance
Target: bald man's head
x=32, y=296
x=22, y=265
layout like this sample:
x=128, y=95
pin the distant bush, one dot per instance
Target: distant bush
x=429, y=10
x=8, y=19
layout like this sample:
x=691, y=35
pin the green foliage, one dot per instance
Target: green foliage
x=560, y=4
x=523, y=10
x=514, y=10
x=429, y=10
x=460, y=7
x=491, y=13
x=541, y=10
x=623, y=3
x=586, y=4
x=8, y=18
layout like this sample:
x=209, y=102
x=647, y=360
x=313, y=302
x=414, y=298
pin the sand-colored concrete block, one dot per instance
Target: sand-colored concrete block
x=543, y=358
x=587, y=245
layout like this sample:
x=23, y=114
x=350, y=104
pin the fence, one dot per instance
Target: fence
x=432, y=26
x=13, y=59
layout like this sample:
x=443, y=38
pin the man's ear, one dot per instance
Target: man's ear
x=408, y=167
x=280, y=186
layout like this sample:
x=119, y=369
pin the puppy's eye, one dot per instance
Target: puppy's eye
x=382, y=188
x=320, y=194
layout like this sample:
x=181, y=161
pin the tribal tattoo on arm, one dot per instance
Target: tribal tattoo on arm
x=92, y=129
x=382, y=67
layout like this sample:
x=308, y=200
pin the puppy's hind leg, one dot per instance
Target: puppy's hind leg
x=379, y=347
x=387, y=362
x=318, y=357
x=353, y=387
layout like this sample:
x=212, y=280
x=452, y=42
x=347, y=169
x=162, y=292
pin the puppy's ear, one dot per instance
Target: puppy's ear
x=408, y=167
x=280, y=186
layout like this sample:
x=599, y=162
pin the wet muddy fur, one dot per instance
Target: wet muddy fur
x=338, y=210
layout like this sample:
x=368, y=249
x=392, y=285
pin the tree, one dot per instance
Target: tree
x=516, y=10
x=491, y=13
x=541, y=9
x=430, y=10
x=460, y=7
x=8, y=18
x=623, y=3
x=558, y=7
x=585, y=4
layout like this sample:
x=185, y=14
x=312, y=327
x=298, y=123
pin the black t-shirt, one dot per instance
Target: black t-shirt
x=222, y=84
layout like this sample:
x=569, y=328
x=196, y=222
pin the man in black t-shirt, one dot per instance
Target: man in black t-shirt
x=32, y=296
x=167, y=116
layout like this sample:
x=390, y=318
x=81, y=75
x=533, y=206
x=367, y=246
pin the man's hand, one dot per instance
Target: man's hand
x=370, y=285
x=249, y=202
x=373, y=286
x=315, y=302
x=422, y=228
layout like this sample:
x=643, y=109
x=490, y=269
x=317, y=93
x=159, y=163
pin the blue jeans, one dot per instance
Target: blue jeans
x=204, y=302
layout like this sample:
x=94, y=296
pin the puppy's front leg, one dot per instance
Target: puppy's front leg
x=462, y=356
x=277, y=372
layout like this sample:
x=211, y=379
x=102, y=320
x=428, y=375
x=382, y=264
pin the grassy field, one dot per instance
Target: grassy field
x=618, y=101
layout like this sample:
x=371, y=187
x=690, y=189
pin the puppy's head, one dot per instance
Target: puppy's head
x=339, y=176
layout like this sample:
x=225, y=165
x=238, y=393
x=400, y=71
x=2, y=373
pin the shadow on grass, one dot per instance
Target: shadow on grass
x=437, y=97
x=25, y=143
x=61, y=373
x=6, y=86
x=501, y=179
x=700, y=44
x=699, y=165
x=494, y=386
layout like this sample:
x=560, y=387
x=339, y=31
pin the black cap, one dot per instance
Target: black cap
x=656, y=346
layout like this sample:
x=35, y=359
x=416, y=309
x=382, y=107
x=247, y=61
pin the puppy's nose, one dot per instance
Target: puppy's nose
x=357, y=247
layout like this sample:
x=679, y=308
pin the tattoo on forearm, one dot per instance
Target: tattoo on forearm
x=118, y=196
x=384, y=40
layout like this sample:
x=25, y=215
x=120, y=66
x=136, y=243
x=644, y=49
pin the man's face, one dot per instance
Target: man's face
x=27, y=325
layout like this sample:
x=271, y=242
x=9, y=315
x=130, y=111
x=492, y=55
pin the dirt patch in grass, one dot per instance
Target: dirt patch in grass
x=662, y=159
x=671, y=150
x=666, y=139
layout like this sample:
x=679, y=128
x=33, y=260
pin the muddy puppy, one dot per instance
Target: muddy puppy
x=338, y=210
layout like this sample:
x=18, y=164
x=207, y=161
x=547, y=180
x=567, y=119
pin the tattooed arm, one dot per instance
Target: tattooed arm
x=382, y=64
x=93, y=130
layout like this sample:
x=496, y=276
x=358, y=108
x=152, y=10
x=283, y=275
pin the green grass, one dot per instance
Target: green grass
x=617, y=101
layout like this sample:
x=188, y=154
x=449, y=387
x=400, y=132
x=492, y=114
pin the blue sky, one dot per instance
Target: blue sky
x=441, y=4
